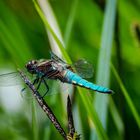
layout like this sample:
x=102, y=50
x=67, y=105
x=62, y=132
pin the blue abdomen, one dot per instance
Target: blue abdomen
x=77, y=80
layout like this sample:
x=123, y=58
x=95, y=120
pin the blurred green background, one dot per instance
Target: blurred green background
x=101, y=31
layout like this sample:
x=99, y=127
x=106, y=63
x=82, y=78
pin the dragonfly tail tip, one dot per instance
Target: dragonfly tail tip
x=111, y=92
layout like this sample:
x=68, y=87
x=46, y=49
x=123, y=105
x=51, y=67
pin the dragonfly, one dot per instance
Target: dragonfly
x=57, y=69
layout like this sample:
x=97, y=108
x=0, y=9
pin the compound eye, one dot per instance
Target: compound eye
x=30, y=64
x=33, y=62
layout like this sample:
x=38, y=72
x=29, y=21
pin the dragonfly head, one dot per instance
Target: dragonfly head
x=31, y=66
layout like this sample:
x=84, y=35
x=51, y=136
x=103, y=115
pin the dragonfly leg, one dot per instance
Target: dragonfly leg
x=39, y=83
x=36, y=81
x=47, y=87
x=22, y=90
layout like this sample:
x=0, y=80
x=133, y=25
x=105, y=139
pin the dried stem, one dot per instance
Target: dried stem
x=44, y=105
x=72, y=135
x=70, y=118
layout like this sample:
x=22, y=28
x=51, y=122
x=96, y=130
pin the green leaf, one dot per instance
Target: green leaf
x=116, y=117
x=34, y=121
x=127, y=97
x=70, y=22
x=46, y=23
x=103, y=73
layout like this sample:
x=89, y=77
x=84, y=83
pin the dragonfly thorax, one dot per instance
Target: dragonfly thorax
x=58, y=66
x=44, y=67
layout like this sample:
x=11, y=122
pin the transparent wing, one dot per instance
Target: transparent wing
x=55, y=88
x=83, y=68
x=56, y=58
x=14, y=78
x=11, y=79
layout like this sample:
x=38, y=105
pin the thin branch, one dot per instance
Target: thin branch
x=44, y=105
x=70, y=118
x=72, y=135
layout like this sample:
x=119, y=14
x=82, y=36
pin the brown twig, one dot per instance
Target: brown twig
x=71, y=127
x=44, y=105
x=72, y=135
